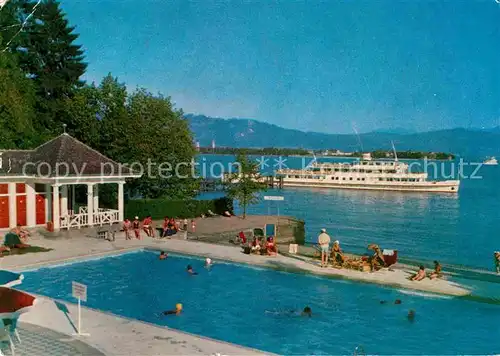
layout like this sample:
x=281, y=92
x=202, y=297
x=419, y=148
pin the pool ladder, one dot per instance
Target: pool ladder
x=359, y=350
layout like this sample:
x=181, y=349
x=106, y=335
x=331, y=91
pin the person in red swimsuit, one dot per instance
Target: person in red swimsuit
x=147, y=226
x=126, y=227
x=136, y=225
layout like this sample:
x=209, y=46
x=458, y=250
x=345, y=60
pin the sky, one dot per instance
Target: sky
x=326, y=66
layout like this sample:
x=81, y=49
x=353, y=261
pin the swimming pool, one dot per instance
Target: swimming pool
x=242, y=305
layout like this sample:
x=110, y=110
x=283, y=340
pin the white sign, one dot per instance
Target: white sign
x=273, y=197
x=79, y=291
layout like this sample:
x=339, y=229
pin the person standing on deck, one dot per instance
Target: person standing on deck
x=324, y=244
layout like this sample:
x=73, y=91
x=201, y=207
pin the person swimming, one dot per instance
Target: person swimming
x=176, y=311
x=208, y=262
x=306, y=312
x=163, y=255
x=397, y=301
x=411, y=315
x=189, y=270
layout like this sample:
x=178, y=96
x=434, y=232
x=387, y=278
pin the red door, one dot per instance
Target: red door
x=4, y=212
x=21, y=210
x=40, y=209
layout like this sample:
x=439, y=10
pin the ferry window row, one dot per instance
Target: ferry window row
x=354, y=170
x=400, y=179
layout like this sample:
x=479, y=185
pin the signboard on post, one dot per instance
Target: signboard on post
x=80, y=293
x=274, y=197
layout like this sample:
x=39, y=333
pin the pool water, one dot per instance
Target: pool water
x=247, y=306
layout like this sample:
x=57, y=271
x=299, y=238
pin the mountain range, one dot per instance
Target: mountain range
x=251, y=133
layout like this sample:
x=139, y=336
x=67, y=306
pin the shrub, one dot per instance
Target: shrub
x=159, y=208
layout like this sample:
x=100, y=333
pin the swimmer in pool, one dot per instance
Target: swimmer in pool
x=397, y=301
x=190, y=270
x=163, y=255
x=208, y=263
x=306, y=312
x=411, y=316
x=176, y=311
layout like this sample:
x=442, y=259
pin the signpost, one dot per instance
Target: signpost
x=80, y=293
x=275, y=198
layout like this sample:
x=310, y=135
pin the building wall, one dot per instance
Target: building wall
x=17, y=204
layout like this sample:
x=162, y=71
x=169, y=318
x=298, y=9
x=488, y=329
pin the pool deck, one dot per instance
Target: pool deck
x=114, y=335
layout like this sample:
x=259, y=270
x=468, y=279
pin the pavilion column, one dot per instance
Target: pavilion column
x=48, y=203
x=12, y=205
x=55, y=207
x=96, y=198
x=90, y=203
x=120, y=201
x=30, y=204
x=73, y=199
x=64, y=200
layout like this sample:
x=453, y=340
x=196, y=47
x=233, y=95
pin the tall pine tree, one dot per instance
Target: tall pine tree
x=51, y=58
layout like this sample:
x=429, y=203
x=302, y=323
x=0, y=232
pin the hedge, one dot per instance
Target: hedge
x=159, y=208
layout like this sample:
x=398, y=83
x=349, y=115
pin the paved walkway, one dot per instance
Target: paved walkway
x=40, y=341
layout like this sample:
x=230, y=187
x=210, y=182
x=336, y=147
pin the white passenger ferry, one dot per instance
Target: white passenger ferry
x=365, y=174
x=492, y=161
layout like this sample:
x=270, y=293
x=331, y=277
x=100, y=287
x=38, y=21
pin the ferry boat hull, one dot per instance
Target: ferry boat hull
x=450, y=186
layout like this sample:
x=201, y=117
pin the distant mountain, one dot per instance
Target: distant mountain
x=252, y=133
x=397, y=130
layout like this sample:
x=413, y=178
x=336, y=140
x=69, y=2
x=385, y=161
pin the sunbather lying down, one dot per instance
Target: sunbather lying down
x=13, y=241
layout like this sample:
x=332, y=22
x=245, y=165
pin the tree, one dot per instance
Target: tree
x=243, y=185
x=160, y=139
x=50, y=57
x=16, y=105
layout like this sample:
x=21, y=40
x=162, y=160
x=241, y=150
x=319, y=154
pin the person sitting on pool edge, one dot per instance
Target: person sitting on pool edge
x=271, y=247
x=176, y=311
x=437, y=271
x=163, y=255
x=190, y=270
x=420, y=274
x=496, y=257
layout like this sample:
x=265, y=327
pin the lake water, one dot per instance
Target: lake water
x=462, y=229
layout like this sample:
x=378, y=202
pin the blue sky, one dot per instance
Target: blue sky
x=324, y=66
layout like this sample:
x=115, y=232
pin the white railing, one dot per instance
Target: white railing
x=106, y=216
x=100, y=217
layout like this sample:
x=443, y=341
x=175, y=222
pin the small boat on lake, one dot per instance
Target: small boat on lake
x=492, y=161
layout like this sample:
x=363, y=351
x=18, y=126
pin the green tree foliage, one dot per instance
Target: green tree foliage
x=160, y=139
x=16, y=105
x=41, y=89
x=243, y=184
x=51, y=57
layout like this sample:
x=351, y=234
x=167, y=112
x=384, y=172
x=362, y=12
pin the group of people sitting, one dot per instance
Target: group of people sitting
x=260, y=246
x=375, y=259
x=421, y=274
x=170, y=227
